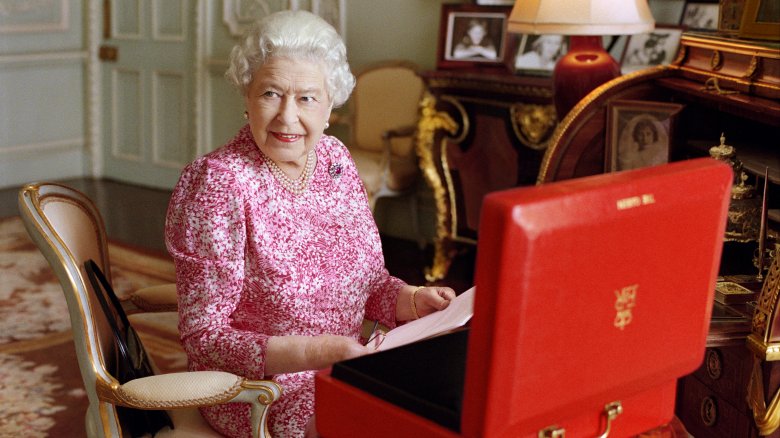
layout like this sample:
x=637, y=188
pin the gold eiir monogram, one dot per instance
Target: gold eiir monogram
x=625, y=300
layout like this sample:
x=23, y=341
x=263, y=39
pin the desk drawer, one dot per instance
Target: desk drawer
x=726, y=371
x=706, y=414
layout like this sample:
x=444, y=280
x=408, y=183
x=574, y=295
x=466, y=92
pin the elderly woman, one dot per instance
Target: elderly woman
x=278, y=258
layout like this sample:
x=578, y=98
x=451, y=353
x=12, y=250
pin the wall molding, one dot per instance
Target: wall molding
x=158, y=36
x=157, y=116
x=94, y=118
x=31, y=59
x=16, y=8
x=62, y=145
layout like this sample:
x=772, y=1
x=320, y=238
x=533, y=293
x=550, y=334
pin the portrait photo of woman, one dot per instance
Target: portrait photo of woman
x=639, y=133
x=644, y=142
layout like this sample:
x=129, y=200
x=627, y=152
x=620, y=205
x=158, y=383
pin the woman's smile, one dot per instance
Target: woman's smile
x=286, y=138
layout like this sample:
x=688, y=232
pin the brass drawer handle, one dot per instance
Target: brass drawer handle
x=711, y=85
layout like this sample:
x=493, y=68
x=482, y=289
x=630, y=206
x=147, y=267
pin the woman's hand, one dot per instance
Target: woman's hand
x=415, y=302
x=325, y=350
x=289, y=354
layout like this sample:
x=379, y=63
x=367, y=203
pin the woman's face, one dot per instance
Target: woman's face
x=288, y=107
x=645, y=135
x=476, y=33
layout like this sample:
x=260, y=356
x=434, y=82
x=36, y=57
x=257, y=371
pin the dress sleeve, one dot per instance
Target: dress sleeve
x=383, y=297
x=206, y=235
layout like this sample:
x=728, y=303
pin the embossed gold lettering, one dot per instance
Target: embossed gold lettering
x=626, y=203
x=635, y=201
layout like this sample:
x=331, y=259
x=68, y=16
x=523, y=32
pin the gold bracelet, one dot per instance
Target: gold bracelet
x=414, y=306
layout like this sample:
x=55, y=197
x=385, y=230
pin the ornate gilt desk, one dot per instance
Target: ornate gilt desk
x=478, y=133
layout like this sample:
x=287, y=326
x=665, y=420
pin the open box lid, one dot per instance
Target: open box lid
x=591, y=291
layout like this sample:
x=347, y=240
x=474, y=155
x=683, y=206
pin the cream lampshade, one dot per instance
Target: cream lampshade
x=587, y=65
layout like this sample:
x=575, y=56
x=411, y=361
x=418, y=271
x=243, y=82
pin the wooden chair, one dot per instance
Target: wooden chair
x=68, y=229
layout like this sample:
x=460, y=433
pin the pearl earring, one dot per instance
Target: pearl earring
x=327, y=125
x=246, y=115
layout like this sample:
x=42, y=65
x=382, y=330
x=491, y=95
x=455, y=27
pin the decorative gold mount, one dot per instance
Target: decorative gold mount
x=716, y=61
x=431, y=121
x=767, y=418
x=765, y=348
x=533, y=124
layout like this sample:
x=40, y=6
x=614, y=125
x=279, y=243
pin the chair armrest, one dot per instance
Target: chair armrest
x=161, y=298
x=195, y=389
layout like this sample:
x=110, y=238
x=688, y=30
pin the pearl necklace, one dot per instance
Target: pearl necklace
x=295, y=186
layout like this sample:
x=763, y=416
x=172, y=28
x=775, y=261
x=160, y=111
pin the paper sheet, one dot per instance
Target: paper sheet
x=457, y=314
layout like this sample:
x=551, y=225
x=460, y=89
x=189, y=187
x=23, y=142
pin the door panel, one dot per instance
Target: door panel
x=148, y=96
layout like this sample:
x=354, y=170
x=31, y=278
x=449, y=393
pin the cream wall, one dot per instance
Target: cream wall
x=43, y=60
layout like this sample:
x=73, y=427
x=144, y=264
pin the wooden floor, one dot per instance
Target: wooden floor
x=135, y=216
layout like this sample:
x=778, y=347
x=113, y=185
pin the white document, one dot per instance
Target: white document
x=457, y=314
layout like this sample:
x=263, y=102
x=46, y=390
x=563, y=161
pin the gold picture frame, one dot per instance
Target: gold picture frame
x=761, y=20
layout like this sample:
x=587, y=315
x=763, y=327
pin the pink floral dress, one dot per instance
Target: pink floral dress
x=254, y=260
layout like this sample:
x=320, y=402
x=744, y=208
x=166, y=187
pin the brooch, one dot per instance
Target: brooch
x=335, y=170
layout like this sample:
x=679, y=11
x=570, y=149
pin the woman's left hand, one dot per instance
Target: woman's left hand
x=432, y=299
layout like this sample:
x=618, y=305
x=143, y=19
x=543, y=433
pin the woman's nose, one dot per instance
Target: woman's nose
x=288, y=111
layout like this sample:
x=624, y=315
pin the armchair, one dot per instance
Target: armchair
x=384, y=110
x=68, y=229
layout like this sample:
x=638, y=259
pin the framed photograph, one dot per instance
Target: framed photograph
x=730, y=16
x=761, y=20
x=537, y=54
x=473, y=36
x=657, y=47
x=700, y=16
x=639, y=133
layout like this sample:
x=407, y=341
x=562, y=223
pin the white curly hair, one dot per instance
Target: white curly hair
x=298, y=35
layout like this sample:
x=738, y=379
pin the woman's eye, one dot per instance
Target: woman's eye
x=270, y=94
x=308, y=99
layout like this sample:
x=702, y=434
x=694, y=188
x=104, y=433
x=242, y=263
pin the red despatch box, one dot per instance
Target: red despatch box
x=594, y=295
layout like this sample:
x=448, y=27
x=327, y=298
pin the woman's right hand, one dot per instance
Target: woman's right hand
x=290, y=354
x=325, y=350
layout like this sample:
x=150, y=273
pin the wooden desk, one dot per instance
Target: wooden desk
x=478, y=133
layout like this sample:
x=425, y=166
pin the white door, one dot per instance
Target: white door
x=148, y=99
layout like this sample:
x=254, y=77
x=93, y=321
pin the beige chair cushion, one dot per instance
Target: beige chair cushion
x=384, y=98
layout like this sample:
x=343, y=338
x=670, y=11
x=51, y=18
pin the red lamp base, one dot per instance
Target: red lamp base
x=585, y=67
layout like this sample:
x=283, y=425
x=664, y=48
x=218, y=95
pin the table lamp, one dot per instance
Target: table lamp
x=587, y=65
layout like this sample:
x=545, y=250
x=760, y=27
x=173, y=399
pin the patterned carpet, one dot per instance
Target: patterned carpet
x=41, y=392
